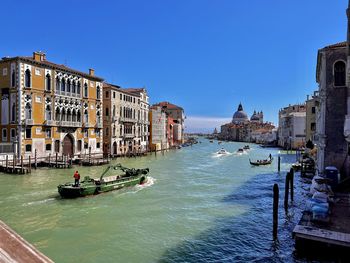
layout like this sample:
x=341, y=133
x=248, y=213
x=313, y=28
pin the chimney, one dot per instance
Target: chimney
x=307, y=97
x=91, y=72
x=39, y=56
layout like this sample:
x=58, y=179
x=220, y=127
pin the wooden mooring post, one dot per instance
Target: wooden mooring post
x=22, y=170
x=7, y=161
x=56, y=160
x=279, y=163
x=291, y=181
x=30, y=163
x=49, y=159
x=35, y=159
x=14, y=162
x=286, y=191
x=275, y=210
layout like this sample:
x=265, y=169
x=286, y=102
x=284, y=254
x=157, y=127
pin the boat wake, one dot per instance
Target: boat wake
x=39, y=202
x=150, y=182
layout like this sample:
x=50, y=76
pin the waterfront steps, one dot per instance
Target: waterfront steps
x=13, y=248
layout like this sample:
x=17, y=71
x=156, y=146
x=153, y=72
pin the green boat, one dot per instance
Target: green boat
x=92, y=186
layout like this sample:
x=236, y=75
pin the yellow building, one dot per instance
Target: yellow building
x=311, y=105
x=49, y=108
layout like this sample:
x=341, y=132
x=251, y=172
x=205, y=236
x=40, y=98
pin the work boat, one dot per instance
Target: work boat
x=240, y=150
x=222, y=151
x=92, y=186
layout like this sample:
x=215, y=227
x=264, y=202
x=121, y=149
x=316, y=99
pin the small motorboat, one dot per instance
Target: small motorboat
x=261, y=162
x=246, y=147
x=240, y=150
x=222, y=151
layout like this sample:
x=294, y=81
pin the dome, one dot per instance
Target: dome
x=255, y=117
x=239, y=115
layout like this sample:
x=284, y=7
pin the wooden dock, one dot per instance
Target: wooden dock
x=13, y=248
x=334, y=231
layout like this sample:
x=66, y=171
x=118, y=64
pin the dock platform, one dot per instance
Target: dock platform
x=335, y=231
x=13, y=248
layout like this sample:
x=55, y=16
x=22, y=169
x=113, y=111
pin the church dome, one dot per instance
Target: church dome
x=239, y=115
x=255, y=117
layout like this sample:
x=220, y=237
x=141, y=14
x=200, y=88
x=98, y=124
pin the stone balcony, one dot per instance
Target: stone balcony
x=124, y=119
x=50, y=123
x=128, y=135
x=68, y=94
x=29, y=122
x=99, y=125
x=74, y=124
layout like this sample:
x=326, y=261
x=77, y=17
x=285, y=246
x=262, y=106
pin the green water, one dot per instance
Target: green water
x=181, y=204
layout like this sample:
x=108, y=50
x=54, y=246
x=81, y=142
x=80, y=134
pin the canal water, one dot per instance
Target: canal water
x=196, y=207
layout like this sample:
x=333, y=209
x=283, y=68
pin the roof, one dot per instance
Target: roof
x=168, y=105
x=336, y=45
x=52, y=65
x=128, y=91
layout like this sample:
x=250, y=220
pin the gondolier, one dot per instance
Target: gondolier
x=76, y=178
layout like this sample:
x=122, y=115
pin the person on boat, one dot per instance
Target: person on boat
x=270, y=156
x=76, y=178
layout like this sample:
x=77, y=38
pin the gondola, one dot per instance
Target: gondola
x=261, y=162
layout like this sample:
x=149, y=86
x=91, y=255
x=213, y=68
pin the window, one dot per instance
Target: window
x=107, y=131
x=339, y=73
x=98, y=145
x=85, y=90
x=313, y=110
x=63, y=85
x=13, y=134
x=107, y=112
x=86, y=133
x=68, y=86
x=28, y=111
x=98, y=92
x=27, y=78
x=48, y=82
x=28, y=148
x=58, y=83
x=98, y=132
x=28, y=133
x=48, y=113
x=13, y=113
x=79, y=145
x=4, y=71
x=86, y=116
x=313, y=126
x=78, y=87
x=86, y=145
x=121, y=96
x=107, y=94
x=38, y=131
x=113, y=110
x=13, y=78
x=74, y=85
x=37, y=72
x=48, y=147
x=113, y=94
x=48, y=132
x=4, y=135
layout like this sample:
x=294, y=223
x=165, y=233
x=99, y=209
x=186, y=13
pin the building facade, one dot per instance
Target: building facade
x=48, y=108
x=310, y=126
x=291, y=126
x=126, y=120
x=158, y=129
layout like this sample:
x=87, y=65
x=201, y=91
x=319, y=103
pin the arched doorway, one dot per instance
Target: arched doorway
x=68, y=145
x=115, y=148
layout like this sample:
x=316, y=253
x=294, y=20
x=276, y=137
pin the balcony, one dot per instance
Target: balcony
x=114, y=118
x=124, y=119
x=68, y=94
x=128, y=136
x=29, y=122
x=86, y=124
x=74, y=124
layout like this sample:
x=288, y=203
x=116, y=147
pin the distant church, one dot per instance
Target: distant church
x=243, y=129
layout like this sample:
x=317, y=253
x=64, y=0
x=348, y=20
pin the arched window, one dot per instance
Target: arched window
x=86, y=116
x=58, y=84
x=98, y=92
x=98, y=117
x=68, y=85
x=339, y=73
x=73, y=86
x=74, y=116
x=58, y=117
x=63, y=85
x=69, y=115
x=113, y=110
x=85, y=90
x=48, y=114
x=13, y=78
x=63, y=115
x=48, y=82
x=28, y=111
x=27, y=78
x=13, y=113
x=78, y=116
x=78, y=87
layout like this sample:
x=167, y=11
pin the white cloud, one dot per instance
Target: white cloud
x=204, y=124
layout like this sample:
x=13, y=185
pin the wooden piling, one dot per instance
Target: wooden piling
x=56, y=160
x=279, y=163
x=14, y=162
x=22, y=170
x=275, y=210
x=7, y=161
x=49, y=159
x=30, y=164
x=286, y=192
x=35, y=160
x=291, y=181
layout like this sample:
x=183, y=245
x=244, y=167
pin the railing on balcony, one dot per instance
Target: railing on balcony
x=99, y=124
x=50, y=123
x=129, y=135
x=28, y=121
x=68, y=94
x=68, y=124
x=124, y=119
x=86, y=124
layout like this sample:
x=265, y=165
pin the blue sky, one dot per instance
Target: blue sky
x=204, y=55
